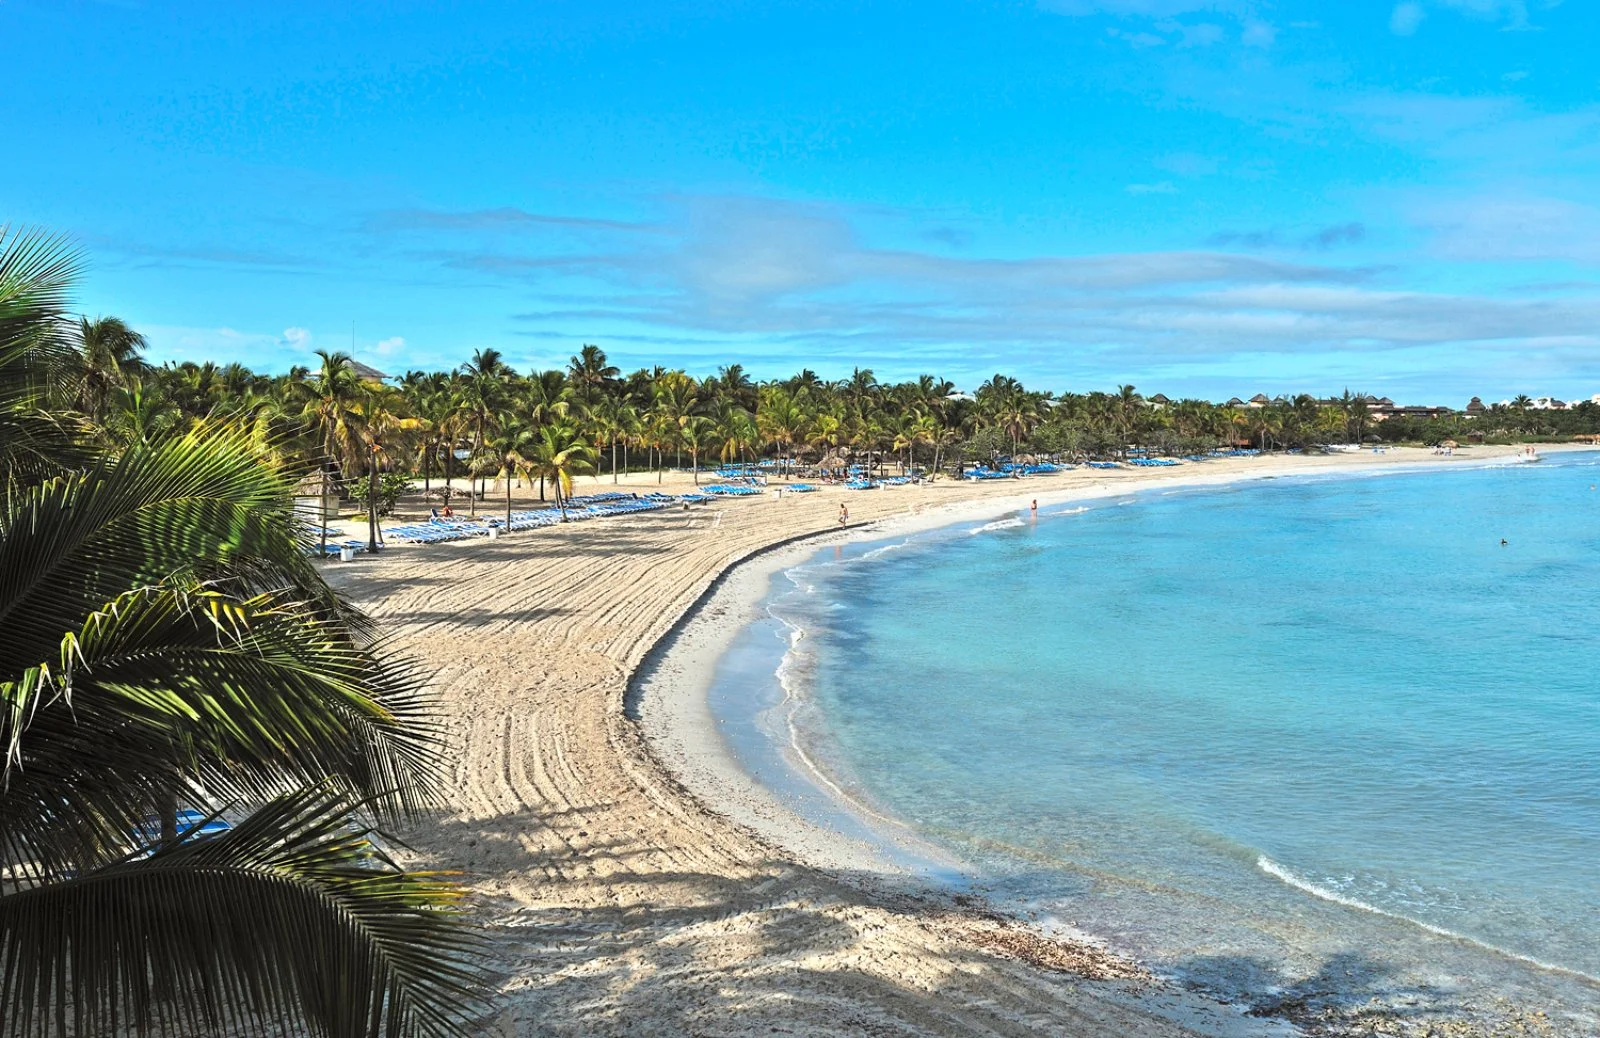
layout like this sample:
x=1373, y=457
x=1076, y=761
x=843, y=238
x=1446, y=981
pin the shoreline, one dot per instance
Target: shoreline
x=669, y=698
x=667, y=695
x=615, y=897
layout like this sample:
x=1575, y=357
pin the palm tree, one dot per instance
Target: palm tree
x=694, y=431
x=483, y=390
x=141, y=412
x=733, y=428
x=110, y=353
x=782, y=419
x=332, y=396
x=164, y=639
x=36, y=275
x=591, y=373
x=676, y=397
x=385, y=428
x=557, y=455
x=513, y=440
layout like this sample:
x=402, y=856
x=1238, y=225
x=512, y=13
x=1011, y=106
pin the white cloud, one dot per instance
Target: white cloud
x=1259, y=34
x=771, y=280
x=386, y=347
x=297, y=338
x=1144, y=8
x=1405, y=19
x=1513, y=12
x=1199, y=34
x=1163, y=188
x=1135, y=39
x=1508, y=226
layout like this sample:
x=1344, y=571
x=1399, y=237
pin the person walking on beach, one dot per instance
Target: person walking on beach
x=844, y=515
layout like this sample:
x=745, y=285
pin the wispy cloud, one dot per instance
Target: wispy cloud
x=753, y=274
x=1164, y=187
x=1349, y=233
x=504, y=218
x=1406, y=18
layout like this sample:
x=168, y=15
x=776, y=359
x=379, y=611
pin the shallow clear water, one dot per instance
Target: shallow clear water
x=1286, y=733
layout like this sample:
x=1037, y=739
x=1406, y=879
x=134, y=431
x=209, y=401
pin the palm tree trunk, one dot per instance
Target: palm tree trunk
x=322, y=510
x=372, y=504
x=508, y=496
x=613, y=461
x=167, y=809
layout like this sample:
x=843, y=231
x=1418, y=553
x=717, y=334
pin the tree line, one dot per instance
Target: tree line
x=485, y=420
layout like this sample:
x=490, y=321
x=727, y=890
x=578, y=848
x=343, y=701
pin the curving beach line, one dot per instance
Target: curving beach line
x=634, y=887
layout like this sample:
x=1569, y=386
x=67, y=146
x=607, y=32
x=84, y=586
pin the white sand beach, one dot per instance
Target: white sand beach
x=631, y=879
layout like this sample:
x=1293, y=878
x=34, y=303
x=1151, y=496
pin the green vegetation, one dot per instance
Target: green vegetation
x=166, y=647
x=487, y=421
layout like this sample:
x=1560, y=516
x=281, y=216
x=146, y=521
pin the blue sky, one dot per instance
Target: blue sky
x=1205, y=197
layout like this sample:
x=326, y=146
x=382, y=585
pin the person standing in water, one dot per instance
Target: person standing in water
x=1034, y=508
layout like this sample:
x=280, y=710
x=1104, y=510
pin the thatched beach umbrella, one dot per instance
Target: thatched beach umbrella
x=1025, y=459
x=1448, y=443
x=832, y=461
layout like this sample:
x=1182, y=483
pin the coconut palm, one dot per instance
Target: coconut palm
x=612, y=422
x=782, y=420
x=512, y=441
x=695, y=433
x=141, y=412
x=332, y=397
x=484, y=387
x=557, y=455
x=385, y=432
x=591, y=373
x=109, y=353
x=676, y=397
x=732, y=427
x=36, y=275
x=165, y=640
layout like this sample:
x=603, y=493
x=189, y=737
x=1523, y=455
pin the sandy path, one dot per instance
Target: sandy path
x=615, y=902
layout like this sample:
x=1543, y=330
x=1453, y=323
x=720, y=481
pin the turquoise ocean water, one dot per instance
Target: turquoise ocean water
x=1320, y=738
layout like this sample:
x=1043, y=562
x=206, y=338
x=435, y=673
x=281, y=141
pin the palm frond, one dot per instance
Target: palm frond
x=36, y=275
x=169, y=688
x=286, y=922
x=202, y=503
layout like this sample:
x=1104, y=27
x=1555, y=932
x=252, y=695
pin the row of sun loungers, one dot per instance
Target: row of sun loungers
x=730, y=490
x=592, y=506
